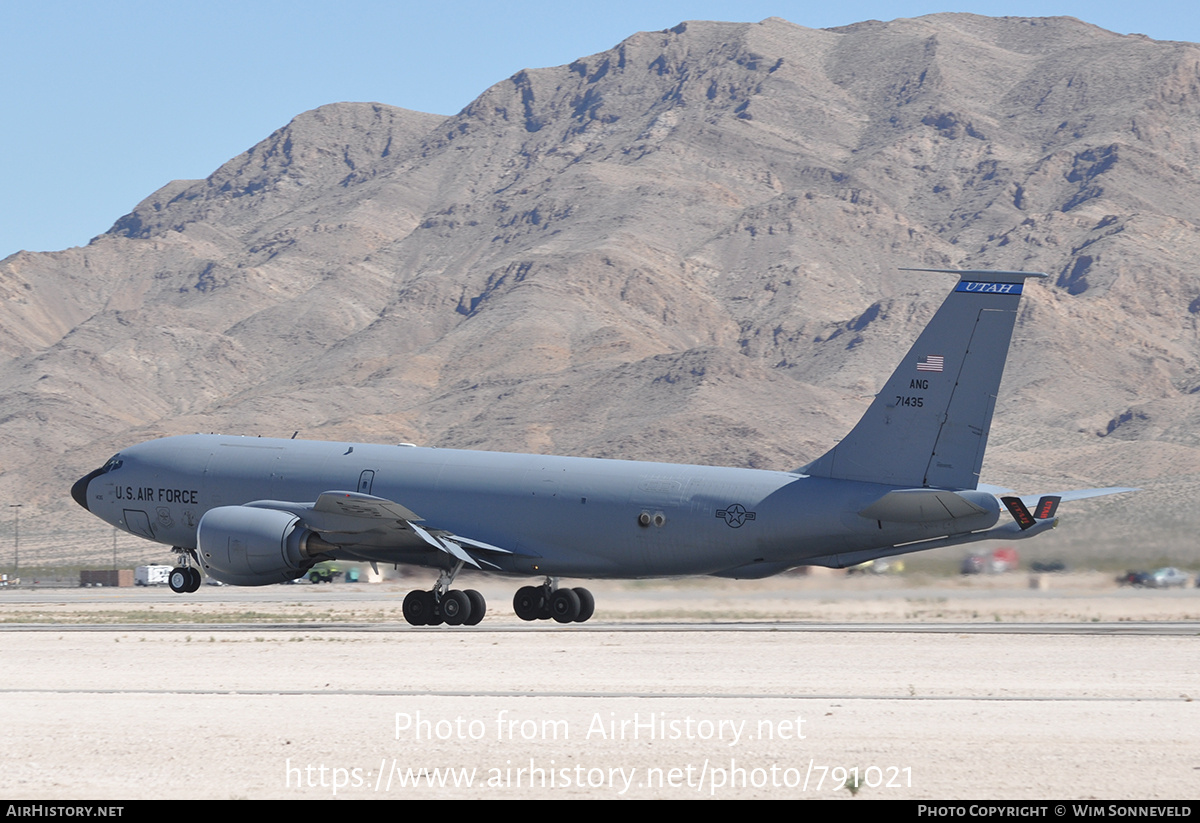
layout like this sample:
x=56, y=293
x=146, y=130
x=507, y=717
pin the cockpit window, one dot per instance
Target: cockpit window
x=113, y=464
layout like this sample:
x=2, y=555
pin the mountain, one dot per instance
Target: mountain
x=685, y=248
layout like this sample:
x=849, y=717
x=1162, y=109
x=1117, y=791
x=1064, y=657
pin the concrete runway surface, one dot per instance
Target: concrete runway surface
x=644, y=703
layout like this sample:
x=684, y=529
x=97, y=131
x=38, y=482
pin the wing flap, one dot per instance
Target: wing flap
x=354, y=504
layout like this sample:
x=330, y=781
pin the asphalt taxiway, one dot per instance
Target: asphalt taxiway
x=320, y=692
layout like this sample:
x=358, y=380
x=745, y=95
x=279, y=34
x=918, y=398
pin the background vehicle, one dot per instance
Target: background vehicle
x=1167, y=577
x=1135, y=578
x=151, y=575
x=324, y=573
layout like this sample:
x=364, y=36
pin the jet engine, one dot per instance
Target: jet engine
x=247, y=546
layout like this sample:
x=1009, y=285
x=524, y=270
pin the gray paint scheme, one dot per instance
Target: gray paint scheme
x=894, y=443
x=262, y=510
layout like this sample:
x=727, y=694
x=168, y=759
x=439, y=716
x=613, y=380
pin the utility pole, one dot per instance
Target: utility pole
x=16, y=507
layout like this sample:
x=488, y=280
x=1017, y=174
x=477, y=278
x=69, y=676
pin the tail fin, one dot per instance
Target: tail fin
x=929, y=424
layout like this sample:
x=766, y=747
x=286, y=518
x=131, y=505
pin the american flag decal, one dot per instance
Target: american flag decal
x=932, y=362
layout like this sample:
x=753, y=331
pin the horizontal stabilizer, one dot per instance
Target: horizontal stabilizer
x=1045, y=506
x=1077, y=494
x=1063, y=496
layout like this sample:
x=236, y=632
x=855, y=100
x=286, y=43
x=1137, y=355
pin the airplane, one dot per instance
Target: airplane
x=254, y=511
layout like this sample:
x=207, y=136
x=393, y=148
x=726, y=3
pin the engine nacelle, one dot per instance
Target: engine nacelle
x=246, y=546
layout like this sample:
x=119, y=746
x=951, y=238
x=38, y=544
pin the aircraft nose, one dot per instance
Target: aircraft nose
x=79, y=490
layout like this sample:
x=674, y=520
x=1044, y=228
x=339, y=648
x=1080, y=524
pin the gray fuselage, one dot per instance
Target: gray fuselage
x=567, y=516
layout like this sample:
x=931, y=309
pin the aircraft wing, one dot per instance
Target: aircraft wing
x=352, y=519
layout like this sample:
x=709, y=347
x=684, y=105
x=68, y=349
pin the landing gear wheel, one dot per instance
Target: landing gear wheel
x=436, y=618
x=179, y=579
x=456, y=608
x=418, y=607
x=587, y=605
x=564, y=605
x=196, y=579
x=527, y=602
x=478, y=607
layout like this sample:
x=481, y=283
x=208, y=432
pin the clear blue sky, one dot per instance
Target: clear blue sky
x=104, y=102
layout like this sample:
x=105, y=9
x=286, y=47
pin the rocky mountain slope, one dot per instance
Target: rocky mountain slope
x=685, y=248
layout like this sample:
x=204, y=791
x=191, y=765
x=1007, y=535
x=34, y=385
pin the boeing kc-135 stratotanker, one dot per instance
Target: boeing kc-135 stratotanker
x=252, y=511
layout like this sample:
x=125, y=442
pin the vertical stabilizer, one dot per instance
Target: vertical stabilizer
x=929, y=424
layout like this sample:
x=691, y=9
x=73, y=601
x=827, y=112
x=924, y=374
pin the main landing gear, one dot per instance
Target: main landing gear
x=548, y=601
x=443, y=604
x=184, y=578
x=466, y=608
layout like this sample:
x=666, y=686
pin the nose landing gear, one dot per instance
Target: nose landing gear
x=184, y=578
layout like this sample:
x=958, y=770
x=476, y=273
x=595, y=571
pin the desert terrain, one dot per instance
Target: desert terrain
x=685, y=248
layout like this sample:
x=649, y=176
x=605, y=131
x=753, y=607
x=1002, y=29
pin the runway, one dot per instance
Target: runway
x=652, y=707
x=1156, y=629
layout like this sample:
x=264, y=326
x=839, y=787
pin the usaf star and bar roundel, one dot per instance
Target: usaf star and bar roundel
x=736, y=515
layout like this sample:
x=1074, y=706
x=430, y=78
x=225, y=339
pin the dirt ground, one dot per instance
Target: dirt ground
x=674, y=690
